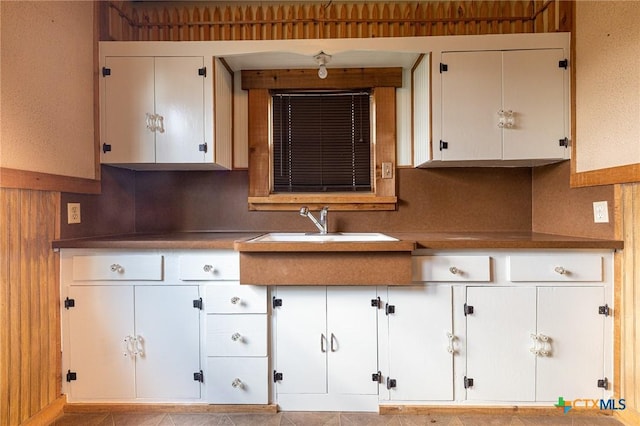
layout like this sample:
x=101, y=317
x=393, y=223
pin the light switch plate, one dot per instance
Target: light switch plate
x=387, y=170
x=600, y=212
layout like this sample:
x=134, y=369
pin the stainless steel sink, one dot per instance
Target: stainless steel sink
x=300, y=237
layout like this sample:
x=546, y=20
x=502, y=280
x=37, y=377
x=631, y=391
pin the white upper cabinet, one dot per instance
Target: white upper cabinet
x=165, y=112
x=503, y=105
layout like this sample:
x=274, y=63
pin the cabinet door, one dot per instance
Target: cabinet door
x=353, y=343
x=169, y=328
x=180, y=102
x=499, y=340
x=569, y=317
x=534, y=90
x=99, y=323
x=301, y=340
x=128, y=96
x=471, y=99
x=419, y=359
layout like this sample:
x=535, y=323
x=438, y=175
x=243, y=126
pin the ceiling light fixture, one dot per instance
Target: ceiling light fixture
x=322, y=59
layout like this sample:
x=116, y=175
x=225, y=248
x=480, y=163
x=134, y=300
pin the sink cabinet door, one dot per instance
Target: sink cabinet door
x=301, y=340
x=419, y=357
x=353, y=343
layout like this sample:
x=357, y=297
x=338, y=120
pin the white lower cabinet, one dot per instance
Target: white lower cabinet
x=421, y=344
x=534, y=343
x=326, y=348
x=133, y=342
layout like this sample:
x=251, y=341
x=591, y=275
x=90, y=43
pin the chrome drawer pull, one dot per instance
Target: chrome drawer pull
x=235, y=300
x=236, y=337
x=237, y=384
x=208, y=268
x=560, y=270
x=116, y=268
x=454, y=270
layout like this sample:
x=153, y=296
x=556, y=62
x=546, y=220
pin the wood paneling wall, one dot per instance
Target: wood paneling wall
x=30, y=372
x=627, y=314
x=158, y=21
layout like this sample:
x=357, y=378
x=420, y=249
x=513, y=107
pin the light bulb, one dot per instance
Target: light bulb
x=322, y=71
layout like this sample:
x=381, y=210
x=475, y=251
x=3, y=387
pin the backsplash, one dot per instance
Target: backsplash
x=430, y=200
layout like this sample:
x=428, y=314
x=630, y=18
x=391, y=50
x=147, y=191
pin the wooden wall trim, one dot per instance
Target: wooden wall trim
x=48, y=414
x=609, y=176
x=338, y=78
x=23, y=179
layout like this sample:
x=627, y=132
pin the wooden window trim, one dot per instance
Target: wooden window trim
x=383, y=196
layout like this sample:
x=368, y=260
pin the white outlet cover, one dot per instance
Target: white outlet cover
x=73, y=213
x=600, y=212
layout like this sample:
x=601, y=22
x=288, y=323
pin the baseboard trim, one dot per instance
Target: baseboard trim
x=88, y=407
x=48, y=414
x=487, y=410
x=629, y=417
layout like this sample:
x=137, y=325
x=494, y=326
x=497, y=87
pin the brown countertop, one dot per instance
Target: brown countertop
x=408, y=240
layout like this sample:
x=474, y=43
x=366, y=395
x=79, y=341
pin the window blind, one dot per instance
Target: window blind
x=321, y=142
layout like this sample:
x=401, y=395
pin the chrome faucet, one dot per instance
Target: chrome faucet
x=323, y=223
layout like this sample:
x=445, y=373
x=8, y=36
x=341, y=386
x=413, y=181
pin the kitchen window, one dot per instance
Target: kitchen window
x=321, y=142
x=269, y=171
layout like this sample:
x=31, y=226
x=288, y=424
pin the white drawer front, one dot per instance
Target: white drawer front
x=452, y=268
x=237, y=335
x=237, y=380
x=147, y=267
x=216, y=266
x=557, y=267
x=236, y=299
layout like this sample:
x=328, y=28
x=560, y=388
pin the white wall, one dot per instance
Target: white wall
x=607, y=84
x=46, y=89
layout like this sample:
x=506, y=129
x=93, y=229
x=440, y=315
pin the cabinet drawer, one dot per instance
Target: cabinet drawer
x=237, y=380
x=134, y=267
x=452, y=268
x=557, y=267
x=237, y=335
x=236, y=299
x=216, y=266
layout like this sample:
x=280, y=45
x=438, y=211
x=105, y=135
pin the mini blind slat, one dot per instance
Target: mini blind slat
x=321, y=142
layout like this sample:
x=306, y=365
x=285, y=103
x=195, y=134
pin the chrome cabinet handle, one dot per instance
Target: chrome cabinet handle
x=236, y=337
x=235, y=300
x=159, y=123
x=150, y=120
x=208, y=268
x=450, y=348
x=237, y=384
x=126, y=346
x=506, y=119
x=541, y=345
x=139, y=345
x=454, y=270
x=322, y=343
x=116, y=268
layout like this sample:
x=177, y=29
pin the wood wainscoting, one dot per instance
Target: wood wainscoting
x=30, y=375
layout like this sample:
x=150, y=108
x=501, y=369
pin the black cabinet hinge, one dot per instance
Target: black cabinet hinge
x=391, y=383
x=564, y=142
x=444, y=145
x=277, y=302
x=71, y=375
x=106, y=148
x=376, y=303
x=390, y=309
x=198, y=303
x=198, y=376
x=203, y=147
x=604, y=310
x=106, y=71
x=563, y=63
x=468, y=382
x=603, y=383
x=376, y=377
x=443, y=67
x=69, y=303
x=276, y=376
x=202, y=71
x=468, y=309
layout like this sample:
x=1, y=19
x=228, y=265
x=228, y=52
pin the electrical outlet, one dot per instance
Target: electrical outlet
x=387, y=170
x=600, y=212
x=73, y=213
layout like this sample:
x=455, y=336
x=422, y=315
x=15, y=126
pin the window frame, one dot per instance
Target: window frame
x=381, y=81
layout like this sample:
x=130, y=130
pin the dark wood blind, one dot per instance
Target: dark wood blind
x=321, y=142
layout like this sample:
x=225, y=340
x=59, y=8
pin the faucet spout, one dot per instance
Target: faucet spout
x=323, y=224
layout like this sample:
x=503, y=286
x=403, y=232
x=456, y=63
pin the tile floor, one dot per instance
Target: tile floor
x=325, y=419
